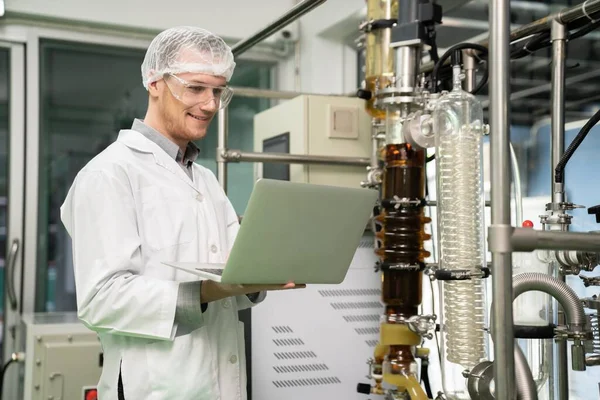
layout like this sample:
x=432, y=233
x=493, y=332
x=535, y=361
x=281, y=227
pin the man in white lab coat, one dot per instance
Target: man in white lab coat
x=143, y=200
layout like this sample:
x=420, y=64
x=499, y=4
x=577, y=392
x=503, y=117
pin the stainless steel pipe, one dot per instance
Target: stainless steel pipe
x=547, y=87
x=527, y=239
x=284, y=158
x=526, y=388
x=558, y=34
x=293, y=14
x=557, y=123
x=530, y=281
x=221, y=148
x=470, y=66
x=565, y=16
x=502, y=322
x=239, y=91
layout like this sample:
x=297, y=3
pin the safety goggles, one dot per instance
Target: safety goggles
x=192, y=94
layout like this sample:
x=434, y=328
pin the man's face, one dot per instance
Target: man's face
x=187, y=104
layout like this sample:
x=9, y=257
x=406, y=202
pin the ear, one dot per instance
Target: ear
x=155, y=88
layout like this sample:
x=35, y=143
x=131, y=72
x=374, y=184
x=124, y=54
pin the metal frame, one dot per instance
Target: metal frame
x=16, y=184
x=502, y=322
x=503, y=238
x=33, y=37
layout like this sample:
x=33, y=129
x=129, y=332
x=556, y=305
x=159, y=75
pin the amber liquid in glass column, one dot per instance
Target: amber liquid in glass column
x=403, y=228
x=402, y=236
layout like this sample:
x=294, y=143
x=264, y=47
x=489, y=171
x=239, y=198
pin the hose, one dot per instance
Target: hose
x=560, y=167
x=574, y=314
x=526, y=388
x=15, y=357
x=447, y=54
x=556, y=288
x=425, y=378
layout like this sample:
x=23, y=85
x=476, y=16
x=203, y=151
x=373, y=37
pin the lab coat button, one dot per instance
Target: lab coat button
x=226, y=304
x=233, y=359
x=199, y=197
x=213, y=248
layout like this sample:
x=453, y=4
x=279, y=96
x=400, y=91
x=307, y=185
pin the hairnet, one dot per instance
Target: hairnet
x=187, y=49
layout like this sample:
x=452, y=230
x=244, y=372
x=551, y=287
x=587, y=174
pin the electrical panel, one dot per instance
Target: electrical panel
x=314, y=125
x=63, y=358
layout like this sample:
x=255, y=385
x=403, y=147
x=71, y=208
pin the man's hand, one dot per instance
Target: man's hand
x=213, y=291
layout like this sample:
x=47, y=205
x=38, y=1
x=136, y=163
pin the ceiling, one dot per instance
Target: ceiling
x=531, y=75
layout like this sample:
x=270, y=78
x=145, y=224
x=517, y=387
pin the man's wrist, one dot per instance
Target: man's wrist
x=212, y=291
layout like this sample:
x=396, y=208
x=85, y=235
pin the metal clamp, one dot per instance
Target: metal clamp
x=423, y=325
x=572, y=262
x=577, y=348
x=592, y=303
x=374, y=178
x=383, y=266
x=397, y=202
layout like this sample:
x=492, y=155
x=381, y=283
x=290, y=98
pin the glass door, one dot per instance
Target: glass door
x=12, y=171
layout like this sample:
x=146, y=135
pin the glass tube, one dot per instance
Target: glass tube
x=401, y=236
x=379, y=65
x=458, y=123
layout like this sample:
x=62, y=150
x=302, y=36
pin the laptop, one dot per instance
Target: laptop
x=293, y=232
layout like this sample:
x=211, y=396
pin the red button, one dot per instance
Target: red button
x=91, y=394
x=527, y=224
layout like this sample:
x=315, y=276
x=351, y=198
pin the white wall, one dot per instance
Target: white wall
x=232, y=19
x=327, y=64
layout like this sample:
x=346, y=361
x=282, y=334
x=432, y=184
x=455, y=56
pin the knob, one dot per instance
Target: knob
x=595, y=211
x=364, y=94
x=363, y=388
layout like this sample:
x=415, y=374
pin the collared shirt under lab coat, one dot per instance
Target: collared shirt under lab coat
x=129, y=209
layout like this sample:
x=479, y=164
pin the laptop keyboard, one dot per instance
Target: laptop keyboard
x=214, y=271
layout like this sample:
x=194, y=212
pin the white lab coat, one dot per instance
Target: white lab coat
x=129, y=209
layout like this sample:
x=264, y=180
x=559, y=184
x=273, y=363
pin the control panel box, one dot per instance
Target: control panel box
x=63, y=358
x=314, y=125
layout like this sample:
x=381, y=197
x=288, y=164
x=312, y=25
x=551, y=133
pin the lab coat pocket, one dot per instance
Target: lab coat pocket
x=167, y=218
x=183, y=368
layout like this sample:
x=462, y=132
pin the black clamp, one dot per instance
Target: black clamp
x=369, y=26
x=364, y=94
x=460, y=274
x=392, y=266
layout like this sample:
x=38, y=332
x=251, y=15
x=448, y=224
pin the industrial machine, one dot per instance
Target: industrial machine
x=63, y=358
x=414, y=132
x=425, y=116
x=317, y=126
x=296, y=351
